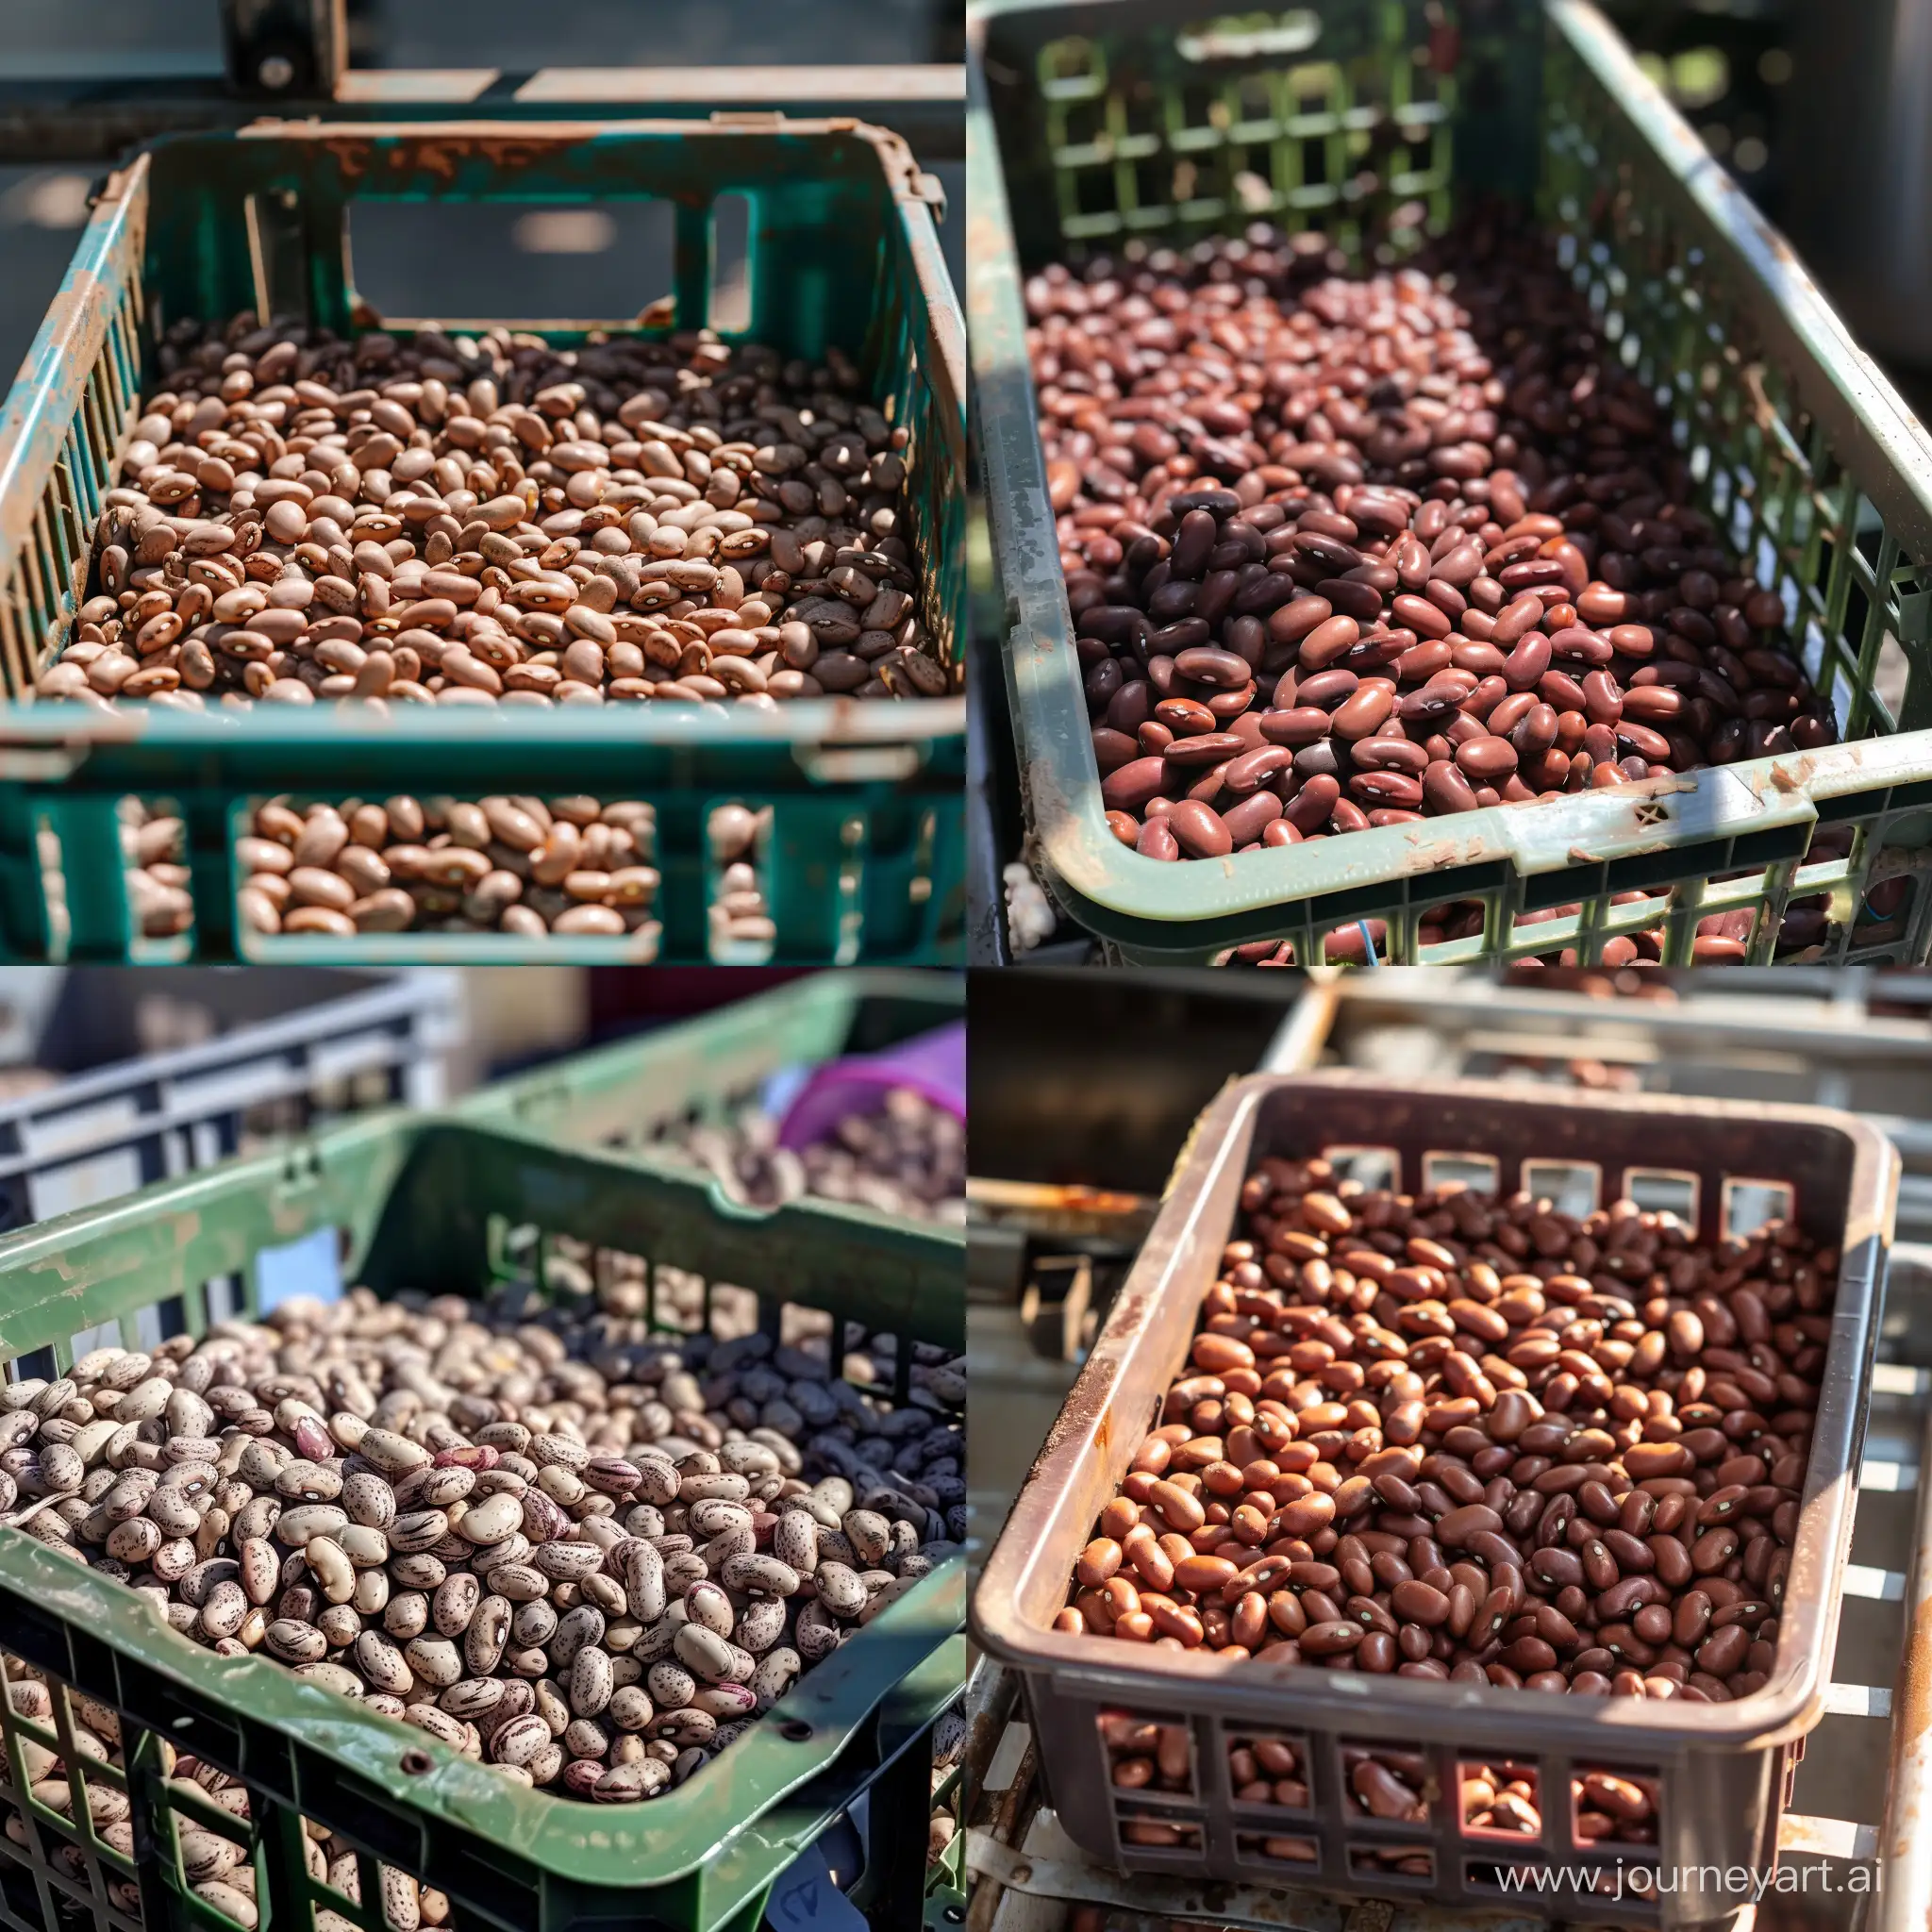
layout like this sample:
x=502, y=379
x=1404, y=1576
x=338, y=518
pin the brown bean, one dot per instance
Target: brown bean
x=1099, y=1561
x=1497, y=1527
x=1249, y=522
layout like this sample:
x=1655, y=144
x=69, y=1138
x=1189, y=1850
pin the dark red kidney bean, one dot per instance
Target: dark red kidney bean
x=1184, y=717
x=1724, y=1651
x=1526, y=664
x=1328, y=641
x=1560, y=691
x=1675, y=1563
x=1557, y=1566
x=1503, y=717
x=1377, y=1654
x=1535, y=731
x=1308, y=810
x=1332, y=1638
x=1199, y=830
x=1303, y=725
x=1129, y=706
x=1645, y=743
x=1416, y=1602
x=1575, y=645
x=1359, y=715
x=1522, y=615
x=1387, y=789
x=1447, y=789
x=1251, y=818
x=1209, y=748
x=1603, y=700
x=1158, y=842
x=1223, y=670
x=1204, y=782
x=1691, y=1618
x=1486, y=760
x=1254, y=768
x=1193, y=540
x=1290, y=623
x=1129, y=788
x=1479, y=659
x=1420, y=616
x=1389, y=755
x=1327, y=688
x=1421, y=661
x=1381, y=1793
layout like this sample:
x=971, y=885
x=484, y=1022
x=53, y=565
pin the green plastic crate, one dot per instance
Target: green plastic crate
x=617, y=1096
x=1082, y=115
x=865, y=855
x=424, y=1202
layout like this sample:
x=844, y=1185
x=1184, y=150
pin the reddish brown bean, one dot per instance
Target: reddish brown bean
x=1338, y=1505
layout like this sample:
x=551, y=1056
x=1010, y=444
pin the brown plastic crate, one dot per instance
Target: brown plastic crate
x=1722, y=1771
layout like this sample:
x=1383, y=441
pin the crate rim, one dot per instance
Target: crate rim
x=937, y=987
x=1786, y=1708
x=552, y=1832
x=1119, y=893
x=287, y=1159
x=56, y=734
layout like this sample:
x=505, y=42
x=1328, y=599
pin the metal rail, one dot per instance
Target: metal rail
x=292, y=56
x=45, y=121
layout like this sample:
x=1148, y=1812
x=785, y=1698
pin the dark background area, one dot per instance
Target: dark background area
x=412, y=260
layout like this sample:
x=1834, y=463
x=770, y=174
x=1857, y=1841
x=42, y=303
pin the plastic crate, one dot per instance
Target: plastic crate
x=865, y=851
x=1808, y=459
x=295, y=1046
x=1721, y=1768
x=703, y=1069
x=425, y=1203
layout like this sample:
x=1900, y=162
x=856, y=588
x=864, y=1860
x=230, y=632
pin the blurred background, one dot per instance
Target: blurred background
x=112, y=1077
x=842, y=1085
x=67, y=61
x=1837, y=157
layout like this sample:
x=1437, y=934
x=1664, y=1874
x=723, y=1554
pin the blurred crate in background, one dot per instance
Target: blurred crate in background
x=109, y=1080
x=1858, y=1040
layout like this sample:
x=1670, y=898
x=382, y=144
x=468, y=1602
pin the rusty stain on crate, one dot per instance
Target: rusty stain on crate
x=1437, y=851
x=1090, y=1406
x=1911, y=1713
x=1912, y=1706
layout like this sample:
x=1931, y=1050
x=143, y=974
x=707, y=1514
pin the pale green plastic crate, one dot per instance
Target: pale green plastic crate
x=1077, y=114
